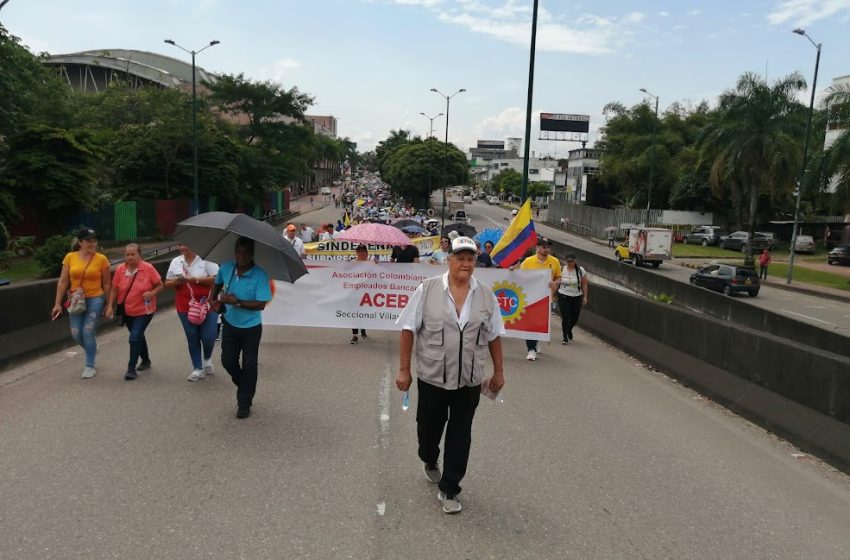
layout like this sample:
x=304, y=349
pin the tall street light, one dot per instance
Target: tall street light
x=194, y=117
x=651, y=156
x=448, y=99
x=523, y=191
x=431, y=130
x=790, y=275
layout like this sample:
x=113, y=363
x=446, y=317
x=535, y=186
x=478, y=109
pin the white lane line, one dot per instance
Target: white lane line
x=817, y=307
x=494, y=221
x=382, y=508
x=384, y=408
x=807, y=317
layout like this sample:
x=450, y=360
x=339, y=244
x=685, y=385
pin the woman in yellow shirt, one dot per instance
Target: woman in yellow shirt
x=89, y=270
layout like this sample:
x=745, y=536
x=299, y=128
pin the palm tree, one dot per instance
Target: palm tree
x=836, y=159
x=752, y=146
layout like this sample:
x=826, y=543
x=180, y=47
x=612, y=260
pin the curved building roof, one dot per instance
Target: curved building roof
x=152, y=67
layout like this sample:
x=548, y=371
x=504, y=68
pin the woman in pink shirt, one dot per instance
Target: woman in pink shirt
x=134, y=287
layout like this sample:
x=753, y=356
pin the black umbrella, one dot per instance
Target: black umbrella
x=462, y=229
x=401, y=224
x=213, y=235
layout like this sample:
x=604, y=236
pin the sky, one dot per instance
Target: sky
x=372, y=63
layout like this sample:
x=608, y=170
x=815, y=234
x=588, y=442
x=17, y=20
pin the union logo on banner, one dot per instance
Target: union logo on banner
x=511, y=300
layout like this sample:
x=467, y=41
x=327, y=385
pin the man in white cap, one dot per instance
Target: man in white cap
x=457, y=323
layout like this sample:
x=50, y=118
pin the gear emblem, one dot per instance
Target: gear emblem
x=511, y=300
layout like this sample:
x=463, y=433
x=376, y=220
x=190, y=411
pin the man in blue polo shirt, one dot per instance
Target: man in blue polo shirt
x=242, y=289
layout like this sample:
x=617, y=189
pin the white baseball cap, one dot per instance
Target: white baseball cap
x=463, y=244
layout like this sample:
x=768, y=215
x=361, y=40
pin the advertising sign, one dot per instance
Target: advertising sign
x=561, y=122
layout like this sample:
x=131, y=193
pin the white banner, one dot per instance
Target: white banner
x=369, y=295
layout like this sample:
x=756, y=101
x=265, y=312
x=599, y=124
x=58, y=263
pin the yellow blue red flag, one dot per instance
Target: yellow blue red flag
x=517, y=239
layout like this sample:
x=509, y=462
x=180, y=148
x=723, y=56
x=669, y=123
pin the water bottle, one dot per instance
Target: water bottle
x=148, y=306
x=405, y=400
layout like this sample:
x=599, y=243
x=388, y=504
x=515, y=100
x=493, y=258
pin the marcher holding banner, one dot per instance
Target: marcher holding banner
x=541, y=260
x=456, y=321
x=362, y=255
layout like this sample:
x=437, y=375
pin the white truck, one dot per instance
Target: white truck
x=457, y=211
x=650, y=246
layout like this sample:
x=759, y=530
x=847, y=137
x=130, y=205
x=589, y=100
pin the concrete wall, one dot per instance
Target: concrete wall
x=794, y=390
x=713, y=304
x=25, y=325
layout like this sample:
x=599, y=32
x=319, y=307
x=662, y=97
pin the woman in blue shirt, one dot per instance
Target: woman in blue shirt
x=242, y=288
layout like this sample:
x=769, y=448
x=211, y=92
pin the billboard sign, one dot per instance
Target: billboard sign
x=491, y=144
x=560, y=122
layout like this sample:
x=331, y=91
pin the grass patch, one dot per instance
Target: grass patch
x=778, y=271
x=22, y=269
x=691, y=250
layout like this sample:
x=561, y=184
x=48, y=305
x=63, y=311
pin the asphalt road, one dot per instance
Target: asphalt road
x=590, y=456
x=816, y=311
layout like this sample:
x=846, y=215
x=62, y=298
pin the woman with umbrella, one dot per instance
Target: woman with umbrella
x=242, y=288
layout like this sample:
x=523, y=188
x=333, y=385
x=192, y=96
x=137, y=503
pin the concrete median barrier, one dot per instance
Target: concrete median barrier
x=800, y=392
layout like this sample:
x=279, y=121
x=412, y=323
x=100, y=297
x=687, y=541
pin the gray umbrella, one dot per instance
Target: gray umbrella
x=213, y=235
x=401, y=224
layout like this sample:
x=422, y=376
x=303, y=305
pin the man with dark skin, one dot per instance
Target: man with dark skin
x=457, y=322
x=242, y=289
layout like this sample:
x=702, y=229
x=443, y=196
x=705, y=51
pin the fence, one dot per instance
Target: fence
x=595, y=221
x=131, y=220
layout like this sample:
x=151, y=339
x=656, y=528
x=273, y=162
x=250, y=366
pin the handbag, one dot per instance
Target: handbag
x=76, y=302
x=119, y=310
x=197, y=308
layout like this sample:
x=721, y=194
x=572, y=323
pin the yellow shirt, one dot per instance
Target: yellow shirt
x=93, y=282
x=533, y=263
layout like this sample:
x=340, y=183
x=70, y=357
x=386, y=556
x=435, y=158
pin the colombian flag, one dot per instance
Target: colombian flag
x=517, y=239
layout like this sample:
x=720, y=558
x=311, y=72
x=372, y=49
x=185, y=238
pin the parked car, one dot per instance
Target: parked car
x=493, y=200
x=771, y=239
x=728, y=279
x=839, y=255
x=739, y=240
x=704, y=235
x=805, y=244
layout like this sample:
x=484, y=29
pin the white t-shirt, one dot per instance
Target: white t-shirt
x=296, y=243
x=198, y=268
x=306, y=234
x=569, y=282
x=325, y=236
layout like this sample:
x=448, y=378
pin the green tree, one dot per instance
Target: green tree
x=830, y=169
x=31, y=93
x=752, y=146
x=52, y=167
x=507, y=181
x=386, y=147
x=420, y=167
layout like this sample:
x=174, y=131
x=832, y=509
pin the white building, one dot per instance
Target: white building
x=582, y=164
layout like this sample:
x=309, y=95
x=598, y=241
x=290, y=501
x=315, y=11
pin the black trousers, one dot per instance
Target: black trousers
x=570, y=307
x=763, y=272
x=241, y=343
x=435, y=407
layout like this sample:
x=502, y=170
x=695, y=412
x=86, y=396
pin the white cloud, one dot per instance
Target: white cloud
x=664, y=14
x=280, y=70
x=804, y=12
x=694, y=12
x=509, y=21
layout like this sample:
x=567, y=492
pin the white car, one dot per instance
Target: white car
x=493, y=200
x=805, y=244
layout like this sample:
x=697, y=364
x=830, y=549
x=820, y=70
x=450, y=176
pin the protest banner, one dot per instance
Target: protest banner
x=344, y=250
x=368, y=295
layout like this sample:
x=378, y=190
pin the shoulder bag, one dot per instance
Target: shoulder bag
x=76, y=298
x=119, y=310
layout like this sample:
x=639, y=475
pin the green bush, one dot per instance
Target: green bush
x=49, y=256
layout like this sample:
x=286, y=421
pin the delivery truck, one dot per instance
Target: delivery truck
x=650, y=246
x=457, y=211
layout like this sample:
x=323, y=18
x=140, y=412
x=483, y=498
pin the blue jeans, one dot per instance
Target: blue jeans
x=199, y=336
x=84, y=327
x=138, y=343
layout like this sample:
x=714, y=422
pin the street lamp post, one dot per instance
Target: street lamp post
x=194, y=117
x=448, y=99
x=431, y=130
x=790, y=275
x=651, y=156
x=523, y=190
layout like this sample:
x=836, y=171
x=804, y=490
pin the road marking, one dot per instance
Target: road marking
x=384, y=408
x=807, y=317
x=382, y=508
x=817, y=307
x=494, y=221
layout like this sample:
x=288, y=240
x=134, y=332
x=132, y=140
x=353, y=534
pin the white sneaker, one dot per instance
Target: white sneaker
x=537, y=348
x=196, y=375
x=88, y=372
x=532, y=355
x=449, y=502
x=208, y=367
